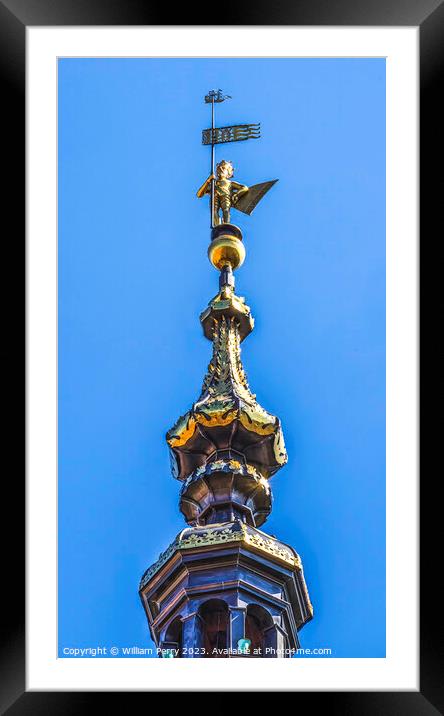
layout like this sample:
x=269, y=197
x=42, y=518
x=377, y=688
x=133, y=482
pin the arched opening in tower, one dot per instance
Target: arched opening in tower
x=257, y=620
x=173, y=637
x=214, y=616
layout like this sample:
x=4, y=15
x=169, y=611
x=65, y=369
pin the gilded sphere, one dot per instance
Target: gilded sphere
x=226, y=249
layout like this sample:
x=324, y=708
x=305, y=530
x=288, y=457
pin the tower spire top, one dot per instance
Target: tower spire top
x=225, y=192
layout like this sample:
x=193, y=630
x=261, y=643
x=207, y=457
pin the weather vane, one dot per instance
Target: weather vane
x=225, y=193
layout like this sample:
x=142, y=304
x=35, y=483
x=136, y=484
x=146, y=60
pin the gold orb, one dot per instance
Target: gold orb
x=226, y=249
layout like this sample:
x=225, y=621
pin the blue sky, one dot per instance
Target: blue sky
x=133, y=278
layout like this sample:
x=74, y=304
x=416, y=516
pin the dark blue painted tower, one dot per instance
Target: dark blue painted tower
x=225, y=588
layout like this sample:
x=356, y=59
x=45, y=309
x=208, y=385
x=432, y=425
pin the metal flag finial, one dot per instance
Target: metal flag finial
x=235, y=133
x=227, y=194
x=216, y=96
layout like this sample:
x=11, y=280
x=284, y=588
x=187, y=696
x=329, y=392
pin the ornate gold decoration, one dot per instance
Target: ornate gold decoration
x=193, y=537
x=211, y=536
x=226, y=395
x=231, y=466
x=227, y=304
x=226, y=299
x=272, y=546
x=163, y=558
x=304, y=587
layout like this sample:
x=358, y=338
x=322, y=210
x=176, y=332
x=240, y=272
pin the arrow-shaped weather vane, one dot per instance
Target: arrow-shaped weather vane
x=226, y=193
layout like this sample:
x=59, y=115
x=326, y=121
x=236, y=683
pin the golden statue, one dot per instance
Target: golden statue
x=230, y=194
x=226, y=192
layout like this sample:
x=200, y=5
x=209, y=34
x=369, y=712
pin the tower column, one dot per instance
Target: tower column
x=192, y=636
x=275, y=642
x=237, y=626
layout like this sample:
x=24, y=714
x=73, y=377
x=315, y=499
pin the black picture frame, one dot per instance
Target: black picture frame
x=15, y=16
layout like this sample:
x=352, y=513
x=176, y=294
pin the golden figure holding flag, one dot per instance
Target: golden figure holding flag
x=226, y=193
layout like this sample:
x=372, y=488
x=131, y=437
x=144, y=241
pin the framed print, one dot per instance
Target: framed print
x=184, y=172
